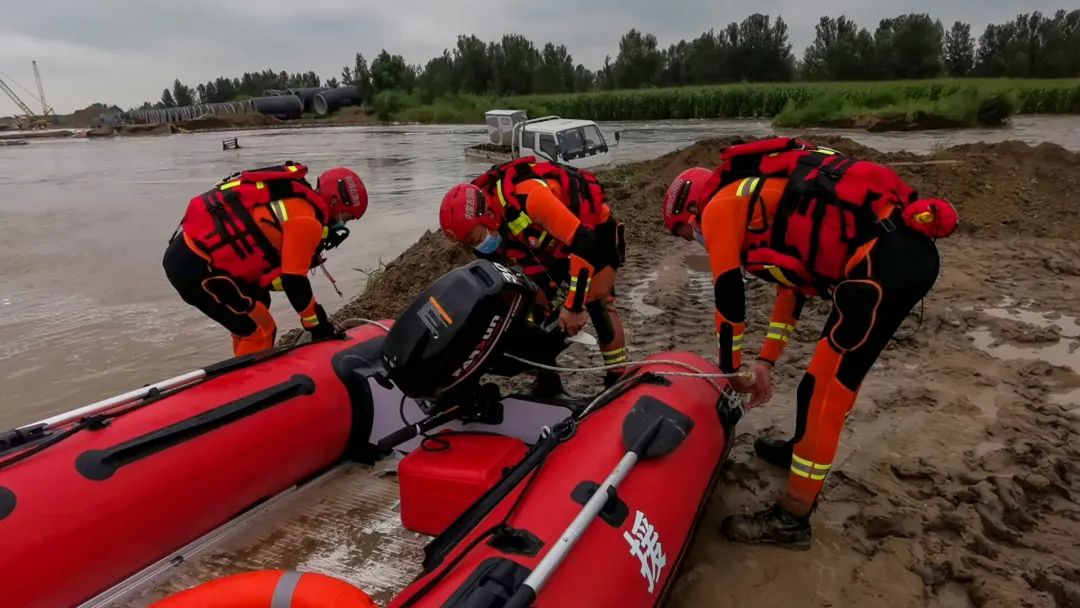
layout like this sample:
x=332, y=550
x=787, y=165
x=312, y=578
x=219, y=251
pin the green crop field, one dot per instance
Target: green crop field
x=768, y=100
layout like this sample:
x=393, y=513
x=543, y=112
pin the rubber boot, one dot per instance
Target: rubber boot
x=773, y=526
x=548, y=384
x=775, y=451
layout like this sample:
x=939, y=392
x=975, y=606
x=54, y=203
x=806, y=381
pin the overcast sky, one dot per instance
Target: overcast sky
x=126, y=51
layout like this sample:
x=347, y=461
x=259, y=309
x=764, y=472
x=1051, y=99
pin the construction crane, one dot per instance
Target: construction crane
x=29, y=119
x=45, y=109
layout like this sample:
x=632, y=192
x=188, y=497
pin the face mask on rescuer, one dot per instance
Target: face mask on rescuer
x=489, y=245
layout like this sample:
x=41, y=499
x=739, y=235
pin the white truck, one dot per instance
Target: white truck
x=511, y=134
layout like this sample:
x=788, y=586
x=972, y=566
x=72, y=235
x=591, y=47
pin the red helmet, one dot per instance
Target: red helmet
x=464, y=208
x=344, y=191
x=683, y=200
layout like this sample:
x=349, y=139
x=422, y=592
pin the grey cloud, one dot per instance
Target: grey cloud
x=126, y=51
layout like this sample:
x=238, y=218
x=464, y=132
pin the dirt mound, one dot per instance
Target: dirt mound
x=86, y=117
x=228, y=121
x=1008, y=188
x=154, y=129
x=393, y=287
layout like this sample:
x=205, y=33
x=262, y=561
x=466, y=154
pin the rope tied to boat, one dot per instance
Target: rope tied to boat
x=695, y=373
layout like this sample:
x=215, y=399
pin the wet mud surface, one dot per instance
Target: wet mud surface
x=957, y=482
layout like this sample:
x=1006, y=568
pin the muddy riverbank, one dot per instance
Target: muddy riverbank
x=958, y=477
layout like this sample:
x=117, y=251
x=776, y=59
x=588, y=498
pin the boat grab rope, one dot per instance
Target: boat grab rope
x=366, y=322
x=695, y=373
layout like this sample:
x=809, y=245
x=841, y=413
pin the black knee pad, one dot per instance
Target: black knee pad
x=601, y=319
x=856, y=303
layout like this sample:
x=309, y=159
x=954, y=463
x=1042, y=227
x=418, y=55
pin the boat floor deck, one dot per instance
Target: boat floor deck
x=345, y=524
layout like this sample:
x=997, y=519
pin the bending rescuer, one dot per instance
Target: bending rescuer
x=551, y=221
x=815, y=223
x=256, y=231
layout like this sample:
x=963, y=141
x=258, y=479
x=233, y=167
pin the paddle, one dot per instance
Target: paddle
x=652, y=429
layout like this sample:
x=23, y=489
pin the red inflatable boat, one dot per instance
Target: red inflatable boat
x=95, y=499
x=539, y=503
x=624, y=556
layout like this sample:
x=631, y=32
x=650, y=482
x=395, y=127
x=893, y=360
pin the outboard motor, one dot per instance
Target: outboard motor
x=454, y=330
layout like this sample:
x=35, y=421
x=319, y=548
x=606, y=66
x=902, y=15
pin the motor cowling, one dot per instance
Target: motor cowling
x=444, y=341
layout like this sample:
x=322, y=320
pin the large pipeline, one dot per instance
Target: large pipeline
x=156, y=115
x=306, y=95
x=285, y=107
x=329, y=100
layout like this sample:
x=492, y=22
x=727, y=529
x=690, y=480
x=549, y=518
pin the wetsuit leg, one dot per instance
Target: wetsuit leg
x=868, y=307
x=241, y=308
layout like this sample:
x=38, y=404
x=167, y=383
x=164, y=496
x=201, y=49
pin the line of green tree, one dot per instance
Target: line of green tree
x=758, y=49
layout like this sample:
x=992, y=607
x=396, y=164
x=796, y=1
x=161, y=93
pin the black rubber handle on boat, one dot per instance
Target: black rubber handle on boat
x=228, y=365
x=406, y=433
x=522, y=598
x=99, y=465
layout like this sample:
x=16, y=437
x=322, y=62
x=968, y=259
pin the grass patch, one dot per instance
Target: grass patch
x=973, y=100
x=963, y=108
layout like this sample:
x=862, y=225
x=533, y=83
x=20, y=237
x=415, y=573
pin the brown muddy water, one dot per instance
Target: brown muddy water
x=86, y=312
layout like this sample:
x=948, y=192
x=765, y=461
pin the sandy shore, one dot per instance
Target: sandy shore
x=958, y=477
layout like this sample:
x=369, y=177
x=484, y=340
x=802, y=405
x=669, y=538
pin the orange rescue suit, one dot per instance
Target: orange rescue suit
x=292, y=227
x=883, y=280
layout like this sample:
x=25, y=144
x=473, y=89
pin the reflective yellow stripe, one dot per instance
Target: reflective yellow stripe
x=278, y=207
x=325, y=232
x=311, y=319
x=498, y=191
x=747, y=186
x=736, y=342
x=236, y=183
x=276, y=284
x=779, y=275
x=800, y=470
x=779, y=331
x=291, y=168
x=614, y=356
x=807, y=469
x=574, y=281
x=523, y=221
x=520, y=224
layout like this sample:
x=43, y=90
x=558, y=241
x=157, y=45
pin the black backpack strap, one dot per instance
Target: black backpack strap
x=232, y=200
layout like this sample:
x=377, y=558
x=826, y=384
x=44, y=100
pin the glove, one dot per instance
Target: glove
x=934, y=217
x=336, y=235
